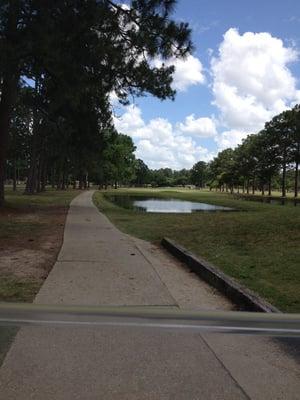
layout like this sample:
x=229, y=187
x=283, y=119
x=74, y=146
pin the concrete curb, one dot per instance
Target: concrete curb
x=241, y=296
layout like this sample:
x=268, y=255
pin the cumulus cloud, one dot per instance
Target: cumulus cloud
x=188, y=72
x=230, y=138
x=201, y=127
x=180, y=152
x=252, y=81
x=130, y=122
x=160, y=143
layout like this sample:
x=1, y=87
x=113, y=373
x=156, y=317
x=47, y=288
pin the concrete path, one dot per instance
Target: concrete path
x=99, y=265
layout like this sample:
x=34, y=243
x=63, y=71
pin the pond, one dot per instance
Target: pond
x=169, y=205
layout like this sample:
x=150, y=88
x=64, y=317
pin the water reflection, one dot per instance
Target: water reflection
x=170, y=205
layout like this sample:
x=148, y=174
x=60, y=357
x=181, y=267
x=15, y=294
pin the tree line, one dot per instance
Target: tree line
x=265, y=161
x=60, y=62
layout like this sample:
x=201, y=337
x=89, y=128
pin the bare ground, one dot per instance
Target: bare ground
x=28, y=256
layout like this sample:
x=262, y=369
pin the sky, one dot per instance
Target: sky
x=245, y=69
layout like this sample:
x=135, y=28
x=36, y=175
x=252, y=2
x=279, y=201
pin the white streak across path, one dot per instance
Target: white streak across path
x=99, y=265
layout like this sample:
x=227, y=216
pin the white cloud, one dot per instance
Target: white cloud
x=251, y=81
x=124, y=6
x=229, y=138
x=188, y=72
x=155, y=156
x=201, y=127
x=130, y=121
x=113, y=98
x=159, y=143
x=180, y=152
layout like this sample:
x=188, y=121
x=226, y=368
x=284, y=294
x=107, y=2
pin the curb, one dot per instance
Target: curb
x=244, y=298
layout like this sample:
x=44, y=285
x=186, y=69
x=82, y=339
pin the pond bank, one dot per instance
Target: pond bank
x=258, y=247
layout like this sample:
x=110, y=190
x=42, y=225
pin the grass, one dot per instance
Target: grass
x=51, y=197
x=17, y=290
x=275, y=193
x=258, y=245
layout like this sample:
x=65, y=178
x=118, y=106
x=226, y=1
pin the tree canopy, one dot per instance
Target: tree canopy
x=72, y=55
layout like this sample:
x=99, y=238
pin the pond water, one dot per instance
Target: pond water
x=170, y=205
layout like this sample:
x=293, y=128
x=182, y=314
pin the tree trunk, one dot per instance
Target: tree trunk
x=14, y=175
x=270, y=187
x=32, y=184
x=283, y=184
x=42, y=173
x=8, y=89
x=297, y=171
x=85, y=181
x=59, y=178
x=39, y=176
x=6, y=103
x=81, y=181
x=44, y=177
x=52, y=177
x=63, y=179
x=253, y=186
x=67, y=181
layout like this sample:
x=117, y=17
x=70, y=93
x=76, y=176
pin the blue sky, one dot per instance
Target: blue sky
x=245, y=69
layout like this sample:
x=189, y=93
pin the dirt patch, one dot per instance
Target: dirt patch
x=24, y=263
x=29, y=254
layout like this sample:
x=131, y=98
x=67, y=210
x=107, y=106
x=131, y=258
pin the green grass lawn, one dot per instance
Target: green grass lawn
x=258, y=245
x=51, y=197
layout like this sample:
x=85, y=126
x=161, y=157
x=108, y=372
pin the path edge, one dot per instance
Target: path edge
x=244, y=298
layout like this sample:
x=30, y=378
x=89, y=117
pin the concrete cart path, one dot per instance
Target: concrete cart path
x=99, y=265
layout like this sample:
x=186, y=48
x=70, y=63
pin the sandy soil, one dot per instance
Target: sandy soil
x=31, y=256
